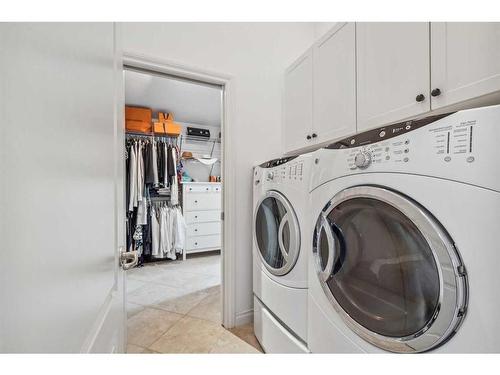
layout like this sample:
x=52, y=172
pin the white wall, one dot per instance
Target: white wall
x=198, y=171
x=320, y=28
x=255, y=54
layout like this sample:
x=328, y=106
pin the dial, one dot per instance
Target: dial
x=270, y=175
x=363, y=159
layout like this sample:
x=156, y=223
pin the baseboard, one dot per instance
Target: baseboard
x=244, y=317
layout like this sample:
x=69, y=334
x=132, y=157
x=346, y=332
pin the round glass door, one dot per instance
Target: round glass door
x=277, y=233
x=389, y=269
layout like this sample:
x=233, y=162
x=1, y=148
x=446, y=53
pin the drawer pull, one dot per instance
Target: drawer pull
x=436, y=92
x=196, y=243
x=207, y=189
x=420, y=98
x=190, y=189
x=196, y=230
x=196, y=217
x=195, y=201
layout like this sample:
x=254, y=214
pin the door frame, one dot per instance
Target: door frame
x=228, y=166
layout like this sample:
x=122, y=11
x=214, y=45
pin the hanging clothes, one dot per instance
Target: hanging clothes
x=154, y=161
x=161, y=162
x=147, y=238
x=132, y=178
x=155, y=229
x=142, y=213
x=155, y=233
x=166, y=166
x=179, y=231
x=148, y=164
x=140, y=171
x=174, y=189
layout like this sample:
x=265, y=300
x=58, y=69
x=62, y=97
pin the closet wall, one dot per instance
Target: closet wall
x=198, y=171
x=255, y=55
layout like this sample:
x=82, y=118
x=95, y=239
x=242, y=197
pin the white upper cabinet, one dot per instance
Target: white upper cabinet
x=334, y=88
x=297, y=126
x=465, y=61
x=392, y=72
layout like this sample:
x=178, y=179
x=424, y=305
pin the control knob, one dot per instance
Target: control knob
x=270, y=175
x=363, y=159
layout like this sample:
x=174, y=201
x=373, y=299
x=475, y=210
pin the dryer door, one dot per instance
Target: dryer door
x=389, y=269
x=277, y=233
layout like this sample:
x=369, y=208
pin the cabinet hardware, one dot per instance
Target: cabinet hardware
x=436, y=92
x=308, y=137
x=420, y=98
x=314, y=135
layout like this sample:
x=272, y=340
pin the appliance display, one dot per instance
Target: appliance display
x=404, y=252
x=198, y=132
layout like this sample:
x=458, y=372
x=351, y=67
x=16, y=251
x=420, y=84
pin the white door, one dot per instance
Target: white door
x=297, y=125
x=465, y=61
x=335, y=84
x=61, y=190
x=392, y=72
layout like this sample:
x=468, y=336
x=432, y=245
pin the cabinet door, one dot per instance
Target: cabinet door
x=465, y=61
x=334, y=95
x=392, y=71
x=297, y=124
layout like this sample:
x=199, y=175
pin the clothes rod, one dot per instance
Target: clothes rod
x=158, y=135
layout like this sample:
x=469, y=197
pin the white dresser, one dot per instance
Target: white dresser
x=201, y=206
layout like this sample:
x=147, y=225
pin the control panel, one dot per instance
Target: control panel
x=447, y=140
x=292, y=171
x=454, y=140
x=277, y=162
x=384, y=133
x=395, y=151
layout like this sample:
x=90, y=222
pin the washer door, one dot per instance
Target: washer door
x=389, y=269
x=277, y=233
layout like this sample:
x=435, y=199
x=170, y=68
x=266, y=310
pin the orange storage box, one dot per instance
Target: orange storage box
x=137, y=126
x=138, y=114
x=166, y=125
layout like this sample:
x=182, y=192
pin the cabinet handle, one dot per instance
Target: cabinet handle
x=308, y=137
x=436, y=92
x=420, y=98
x=314, y=135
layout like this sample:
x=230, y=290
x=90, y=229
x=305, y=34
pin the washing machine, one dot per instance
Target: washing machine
x=281, y=229
x=405, y=249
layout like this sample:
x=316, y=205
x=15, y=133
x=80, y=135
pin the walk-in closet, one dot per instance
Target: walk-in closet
x=174, y=196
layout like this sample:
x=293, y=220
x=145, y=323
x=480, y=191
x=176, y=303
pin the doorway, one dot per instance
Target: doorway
x=174, y=298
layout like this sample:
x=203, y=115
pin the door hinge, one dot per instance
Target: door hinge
x=222, y=215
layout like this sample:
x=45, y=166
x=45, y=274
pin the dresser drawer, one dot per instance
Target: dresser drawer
x=202, y=229
x=202, y=201
x=202, y=188
x=202, y=216
x=198, y=189
x=203, y=242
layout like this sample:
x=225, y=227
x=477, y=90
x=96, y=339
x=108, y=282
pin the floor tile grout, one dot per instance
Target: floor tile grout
x=197, y=300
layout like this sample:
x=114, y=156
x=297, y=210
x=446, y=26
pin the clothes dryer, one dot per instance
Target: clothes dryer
x=281, y=228
x=404, y=254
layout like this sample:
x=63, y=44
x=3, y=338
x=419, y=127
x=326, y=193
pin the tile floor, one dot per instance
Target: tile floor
x=175, y=307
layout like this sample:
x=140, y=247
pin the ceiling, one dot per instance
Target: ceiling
x=189, y=102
